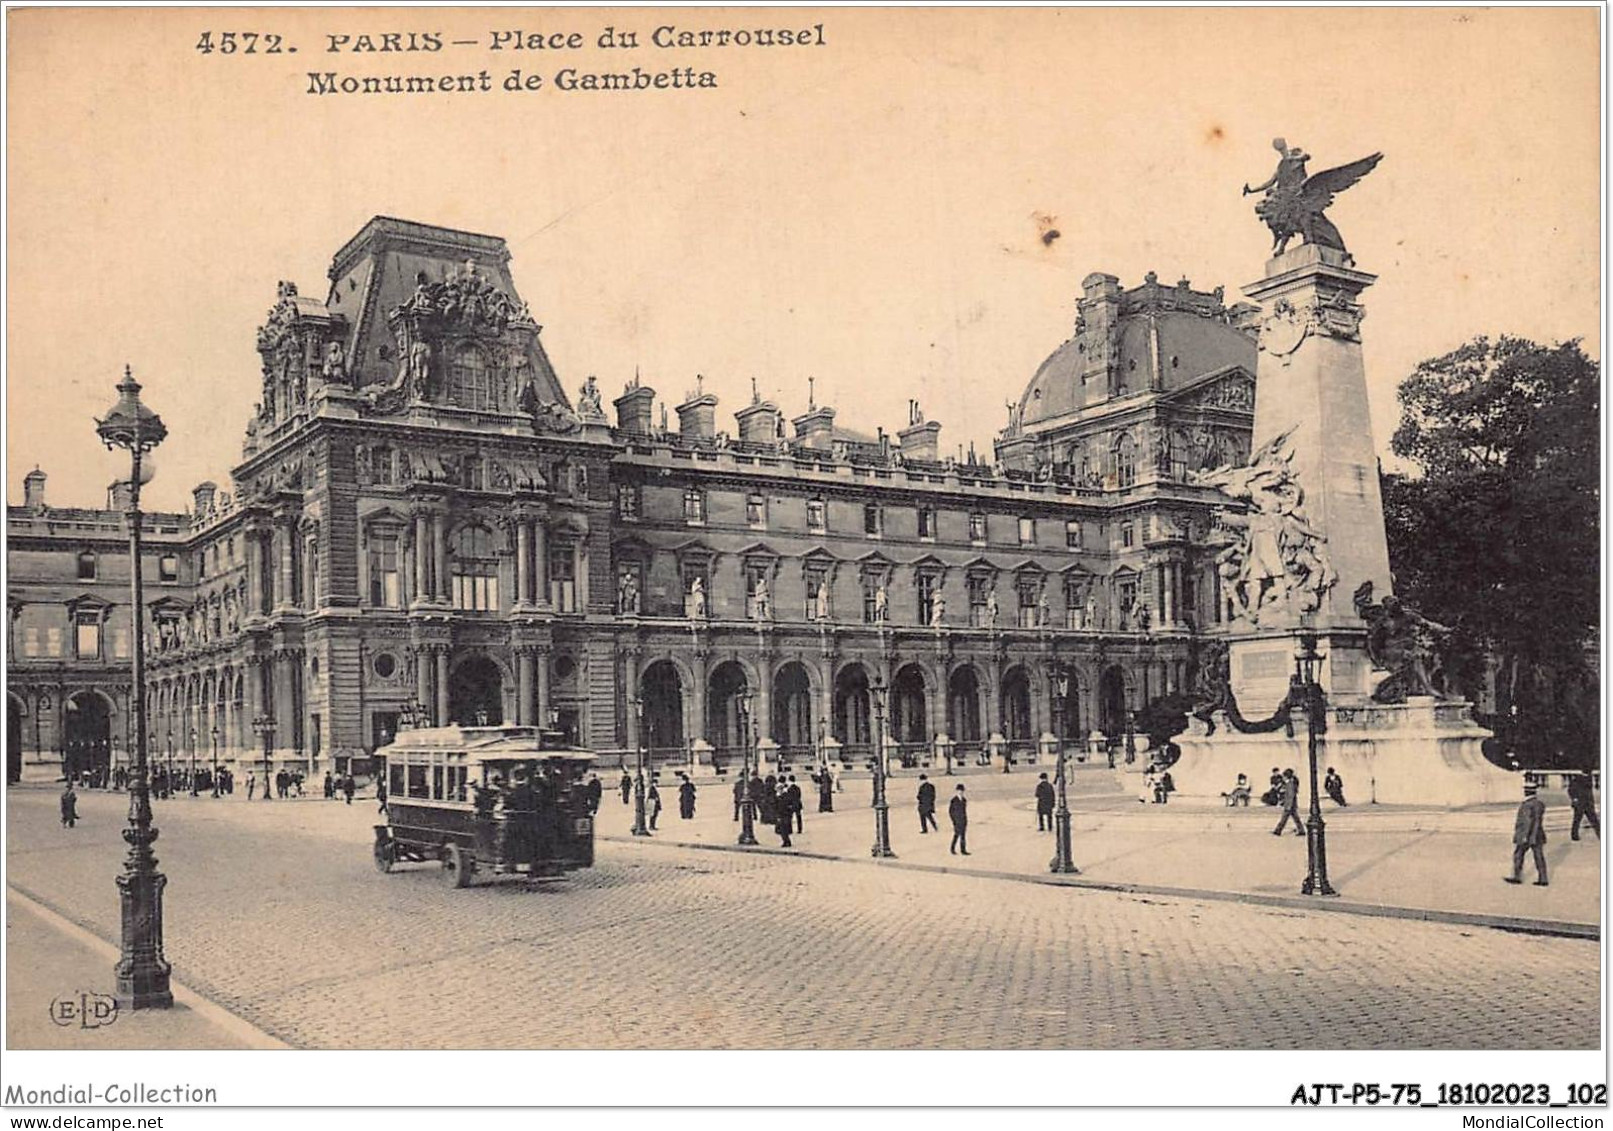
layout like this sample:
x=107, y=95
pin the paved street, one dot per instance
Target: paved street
x=276, y=913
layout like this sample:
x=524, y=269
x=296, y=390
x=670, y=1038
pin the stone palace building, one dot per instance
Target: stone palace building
x=423, y=526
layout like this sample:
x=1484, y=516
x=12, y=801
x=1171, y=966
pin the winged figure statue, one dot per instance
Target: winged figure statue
x=1295, y=200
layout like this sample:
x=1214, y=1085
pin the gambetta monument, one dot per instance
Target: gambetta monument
x=1302, y=550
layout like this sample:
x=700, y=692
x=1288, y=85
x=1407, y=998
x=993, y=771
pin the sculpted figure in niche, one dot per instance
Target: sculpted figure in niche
x=938, y=611
x=627, y=592
x=991, y=607
x=697, y=598
x=764, y=599
x=335, y=370
x=881, y=603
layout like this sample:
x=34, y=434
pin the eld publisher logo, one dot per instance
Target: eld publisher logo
x=85, y=1009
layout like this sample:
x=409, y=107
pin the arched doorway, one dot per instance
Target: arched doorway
x=662, y=689
x=14, y=714
x=476, y=693
x=87, y=737
x=1112, y=701
x=963, y=704
x=851, y=713
x=725, y=725
x=910, y=725
x=792, y=711
x=1016, y=708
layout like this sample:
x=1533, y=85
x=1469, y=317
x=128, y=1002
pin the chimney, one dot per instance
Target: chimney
x=921, y=439
x=202, y=496
x=635, y=408
x=759, y=422
x=118, y=495
x=33, y=489
x=697, y=416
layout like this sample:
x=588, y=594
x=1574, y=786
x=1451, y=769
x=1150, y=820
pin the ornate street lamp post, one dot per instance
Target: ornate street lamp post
x=264, y=726
x=1062, y=862
x=747, y=807
x=193, y=740
x=1307, y=666
x=640, y=828
x=882, y=810
x=215, y=759
x=142, y=971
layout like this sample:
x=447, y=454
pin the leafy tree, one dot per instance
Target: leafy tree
x=1497, y=532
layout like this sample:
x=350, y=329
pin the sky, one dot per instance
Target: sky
x=868, y=212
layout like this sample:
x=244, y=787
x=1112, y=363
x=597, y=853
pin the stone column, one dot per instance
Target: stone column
x=285, y=707
x=254, y=573
x=541, y=662
x=422, y=552
x=422, y=678
x=524, y=685
x=540, y=565
x=286, y=535
x=523, y=563
x=764, y=701
x=439, y=542
x=441, y=651
x=631, y=678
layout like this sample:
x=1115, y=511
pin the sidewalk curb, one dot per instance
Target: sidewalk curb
x=205, y=1008
x=1547, y=927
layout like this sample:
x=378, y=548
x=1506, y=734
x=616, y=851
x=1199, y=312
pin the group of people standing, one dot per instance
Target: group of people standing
x=344, y=785
x=957, y=813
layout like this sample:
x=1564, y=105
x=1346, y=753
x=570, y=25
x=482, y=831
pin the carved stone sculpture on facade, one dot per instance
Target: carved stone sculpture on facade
x=697, y=599
x=589, y=406
x=938, y=611
x=764, y=599
x=1271, y=559
x=627, y=601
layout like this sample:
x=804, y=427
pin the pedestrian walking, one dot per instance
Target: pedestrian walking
x=1335, y=787
x=782, y=823
x=251, y=785
x=69, y=806
x=826, y=790
x=958, y=811
x=1044, y=805
x=627, y=786
x=1529, y=835
x=593, y=793
x=652, y=803
x=1581, y=794
x=380, y=793
x=1163, y=788
x=1290, y=804
x=793, y=796
x=741, y=784
x=926, y=800
x=757, y=789
x=330, y=787
x=686, y=798
x=770, y=800
x=348, y=787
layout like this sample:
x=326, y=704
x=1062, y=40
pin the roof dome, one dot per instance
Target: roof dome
x=1113, y=352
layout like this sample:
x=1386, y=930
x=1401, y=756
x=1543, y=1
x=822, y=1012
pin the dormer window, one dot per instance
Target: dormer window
x=977, y=528
x=694, y=507
x=873, y=520
x=817, y=516
x=86, y=566
x=926, y=522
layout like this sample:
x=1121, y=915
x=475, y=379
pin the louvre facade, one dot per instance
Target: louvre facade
x=425, y=526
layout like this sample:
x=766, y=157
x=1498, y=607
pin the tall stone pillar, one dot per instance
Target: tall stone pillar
x=541, y=707
x=254, y=573
x=439, y=543
x=286, y=552
x=422, y=557
x=632, y=662
x=540, y=564
x=422, y=678
x=524, y=687
x=523, y=562
x=441, y=655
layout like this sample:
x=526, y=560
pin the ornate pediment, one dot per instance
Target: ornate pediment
x=1231, y=389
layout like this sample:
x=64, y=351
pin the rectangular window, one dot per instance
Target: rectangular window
x=418, y=786
x=926, y=522
x=476, y=590
x=86, y=566
x=394, y=775
x=979, y=602
x=756, y=510
x=87, y=636
x=471, y=473
x=871, y=520
x=563, y=578
x=1027, y=532
x=977, y=528
x=201, y=566
x=315, y=734
x=381, y=466
x=927, y=584
x=168, y=568
x=385, y=583
x=1072, y=535
x=1029, y=597
x=627, y=500
x=694, y=507
x=1126, y=592
x=1127, y=537
x=817, y=516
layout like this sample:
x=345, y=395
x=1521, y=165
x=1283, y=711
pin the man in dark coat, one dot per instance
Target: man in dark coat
x=627, y=786
x=348, y=787
x=792, y=798
x=69, y=807
x=958, y=811
x=1583, y=798
x=826, y=790
x=1274, y=795
x=652, y=803
x=1529, y=835
x=1334, y=785
x=782, y=820
x=1290, y=804
x=1044, y=805
x=686, y=798
x=926, y=800
x=757, y=791
x=770, y=805
x=740, y=786
x=593, y=793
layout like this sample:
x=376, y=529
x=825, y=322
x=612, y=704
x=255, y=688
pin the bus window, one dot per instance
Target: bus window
x=436, y=784
x=456, y=783
x=417, y=782
x=395, y=779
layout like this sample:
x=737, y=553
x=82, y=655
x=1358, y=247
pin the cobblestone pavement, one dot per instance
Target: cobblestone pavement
x=276, y=912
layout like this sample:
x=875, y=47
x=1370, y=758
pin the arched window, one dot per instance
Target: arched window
x=468, y=382
x=1125, y=460
x=475, y=569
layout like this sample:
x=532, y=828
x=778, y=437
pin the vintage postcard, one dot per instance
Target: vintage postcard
x=1070, y=532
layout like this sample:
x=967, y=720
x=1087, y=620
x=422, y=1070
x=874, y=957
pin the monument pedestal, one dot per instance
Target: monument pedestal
x=1422, y=752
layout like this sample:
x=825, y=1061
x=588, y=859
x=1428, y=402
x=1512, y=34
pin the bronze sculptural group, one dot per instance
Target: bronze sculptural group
x=1295, y=201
